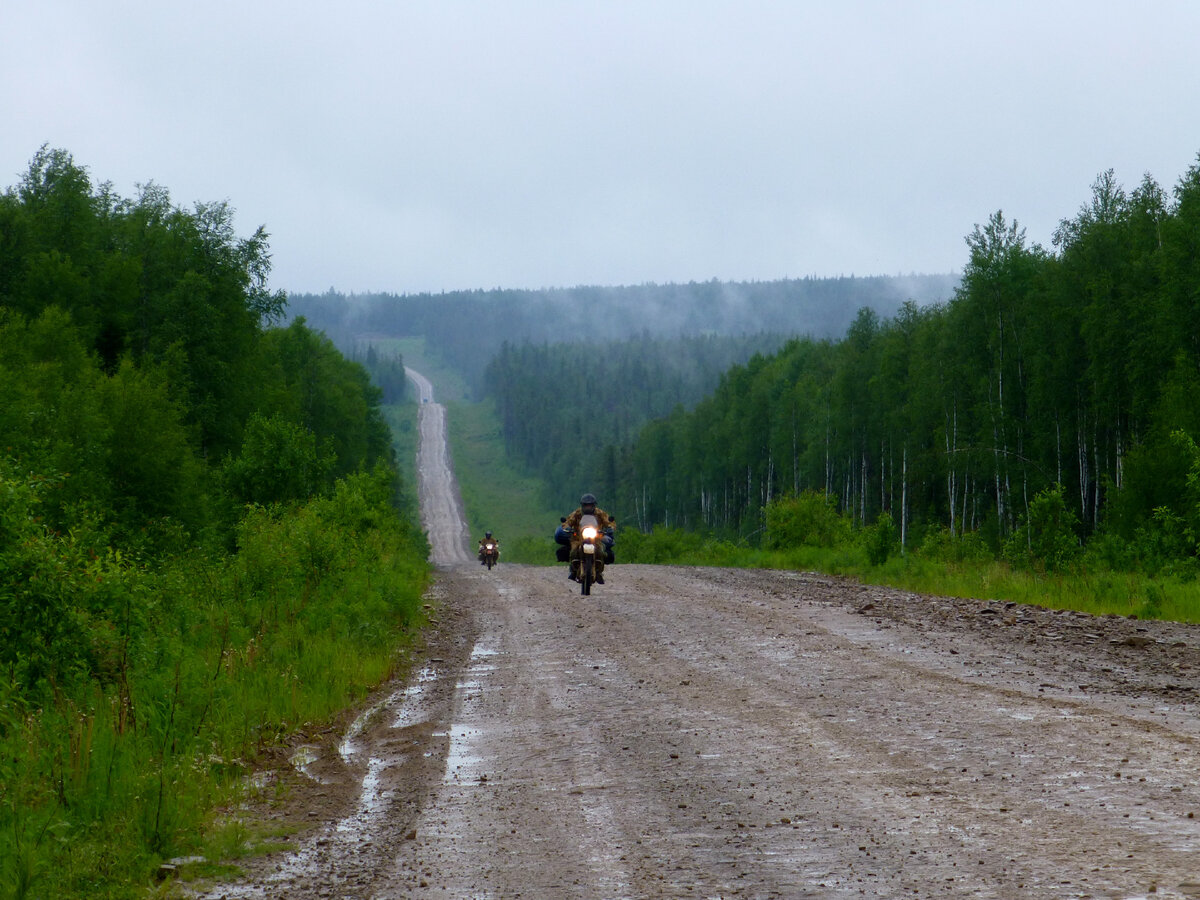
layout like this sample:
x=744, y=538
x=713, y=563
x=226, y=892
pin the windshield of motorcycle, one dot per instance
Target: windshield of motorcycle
x=589, y=527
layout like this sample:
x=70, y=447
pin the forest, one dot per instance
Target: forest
x=1068, y=373
x=199, y=506
x=564, y=410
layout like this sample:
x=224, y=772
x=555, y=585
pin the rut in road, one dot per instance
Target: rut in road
x=714, y=733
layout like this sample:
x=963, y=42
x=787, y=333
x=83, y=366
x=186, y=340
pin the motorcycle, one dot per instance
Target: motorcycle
x=587, y=553
x=490, y=553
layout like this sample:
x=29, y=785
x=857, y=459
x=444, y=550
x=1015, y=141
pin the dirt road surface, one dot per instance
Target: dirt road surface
x=708, y=733
x=441, y=507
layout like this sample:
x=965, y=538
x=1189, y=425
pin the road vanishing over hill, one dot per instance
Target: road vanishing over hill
x=690, y=732
x=441, y=507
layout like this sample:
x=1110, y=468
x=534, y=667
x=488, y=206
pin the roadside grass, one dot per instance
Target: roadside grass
x=497, y=497
x=1095, y=591
x=224, y=657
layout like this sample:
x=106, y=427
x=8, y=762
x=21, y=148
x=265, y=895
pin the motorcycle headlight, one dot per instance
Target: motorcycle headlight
x=589, y=533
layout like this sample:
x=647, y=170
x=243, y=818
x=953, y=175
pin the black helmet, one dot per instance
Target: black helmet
x=487, y=534
x=587, y=500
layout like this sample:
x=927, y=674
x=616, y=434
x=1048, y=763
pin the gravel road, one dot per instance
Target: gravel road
x=691, y=732
x=441, y=506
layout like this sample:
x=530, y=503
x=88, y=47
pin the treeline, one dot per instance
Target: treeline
x=567, y=409
x=204, y=543
x=468, y=328
x=1073, y=371
x=386, y=370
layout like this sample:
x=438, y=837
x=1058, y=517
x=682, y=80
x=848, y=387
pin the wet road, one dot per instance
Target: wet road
x=441, y=507
x=723, y=734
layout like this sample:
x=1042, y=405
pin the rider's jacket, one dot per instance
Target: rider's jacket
x=602, y=518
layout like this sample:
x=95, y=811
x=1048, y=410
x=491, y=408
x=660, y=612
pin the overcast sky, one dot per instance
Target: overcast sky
x=424, y=146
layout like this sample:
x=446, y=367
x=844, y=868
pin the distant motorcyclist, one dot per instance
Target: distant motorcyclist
x=570, y=527
x=484, y=543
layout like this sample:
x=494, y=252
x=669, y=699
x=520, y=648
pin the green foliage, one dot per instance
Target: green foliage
x=151, y=462
x=881, y=540
x=156, y=632
x=279, y=463
x=401, y=421
x=1159, y=464
x=1065, y=372
x=39, y=633
x=576, y=441
x=135, y=348
x=1047, y=538
x=1191, y=509
x=1166, y=545
x=943, y=546
x=809, y=519
x=497, y=496
x=661, y=546
x=132, y=683
x=386, y=368
x=320, y=390
x=667, y=546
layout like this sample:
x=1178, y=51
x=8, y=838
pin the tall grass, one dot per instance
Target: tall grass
x=497, y=496
x=201, y=664
x=1086, y=588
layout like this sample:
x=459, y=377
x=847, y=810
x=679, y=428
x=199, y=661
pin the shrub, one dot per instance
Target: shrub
x=662, y=545
x=943, y=545
x=1164, y=545
x=279, y=462
x=809, y=519
x=1047, y=539
x=881, y=539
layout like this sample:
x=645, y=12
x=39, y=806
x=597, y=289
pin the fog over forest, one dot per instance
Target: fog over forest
x=469, y=327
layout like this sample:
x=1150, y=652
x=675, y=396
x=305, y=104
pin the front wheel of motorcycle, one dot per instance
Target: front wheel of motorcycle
x=586, y=576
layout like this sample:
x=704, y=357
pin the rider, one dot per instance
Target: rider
x=588, y=507
x=487, y=539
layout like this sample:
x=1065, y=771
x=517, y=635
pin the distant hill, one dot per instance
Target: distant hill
x=469, y=327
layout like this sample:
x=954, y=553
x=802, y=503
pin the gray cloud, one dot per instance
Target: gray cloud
x=449, y=144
